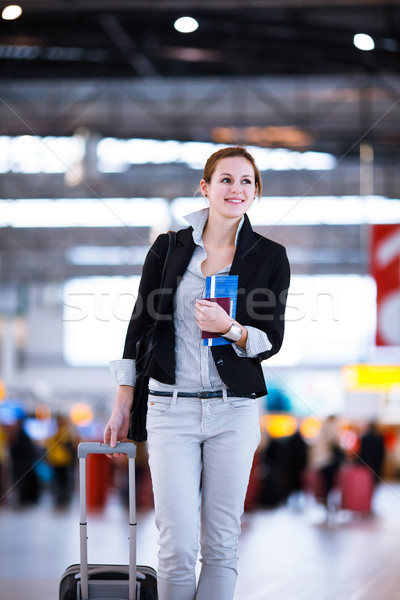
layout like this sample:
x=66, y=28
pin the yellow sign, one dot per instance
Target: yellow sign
x=278, y=425
x=2, y=390
x=371, y=378
x=310, y=427
x=81, y=414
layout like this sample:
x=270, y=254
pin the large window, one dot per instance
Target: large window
x=329, y=320
x=96, y=314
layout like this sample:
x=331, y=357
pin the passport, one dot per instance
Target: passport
x=226, y=305
x=222, y=289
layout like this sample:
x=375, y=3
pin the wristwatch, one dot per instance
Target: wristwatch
x=233, y=334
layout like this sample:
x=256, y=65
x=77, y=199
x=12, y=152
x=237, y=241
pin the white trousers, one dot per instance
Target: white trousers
x=200, y=456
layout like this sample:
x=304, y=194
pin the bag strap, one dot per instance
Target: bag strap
x=171, y=246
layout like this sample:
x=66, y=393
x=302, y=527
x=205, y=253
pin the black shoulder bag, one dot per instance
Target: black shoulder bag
x=137, y=426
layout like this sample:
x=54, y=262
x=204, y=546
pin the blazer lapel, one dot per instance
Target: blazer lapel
x=245, y=262
x=177, y=263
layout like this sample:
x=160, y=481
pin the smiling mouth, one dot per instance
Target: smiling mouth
x=234, y=200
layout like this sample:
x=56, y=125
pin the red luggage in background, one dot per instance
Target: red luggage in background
x=357, y=486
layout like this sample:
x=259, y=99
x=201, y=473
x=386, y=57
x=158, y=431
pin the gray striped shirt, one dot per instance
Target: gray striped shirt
x=195, y=367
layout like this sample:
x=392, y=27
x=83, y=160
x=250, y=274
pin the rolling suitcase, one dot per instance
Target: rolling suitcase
x=357, y=486
x=107, y=582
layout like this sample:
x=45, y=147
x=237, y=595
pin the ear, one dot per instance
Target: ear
x=204, y=187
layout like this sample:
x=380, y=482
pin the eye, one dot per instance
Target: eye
x=247, y=181
x=225, y=180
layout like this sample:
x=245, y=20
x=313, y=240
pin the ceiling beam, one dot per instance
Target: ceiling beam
x=139, y=62
x=186, y=5
x=329, y=110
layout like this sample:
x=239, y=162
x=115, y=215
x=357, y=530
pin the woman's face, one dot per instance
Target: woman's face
x=232, y=188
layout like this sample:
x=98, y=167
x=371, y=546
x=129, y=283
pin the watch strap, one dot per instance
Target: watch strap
x=233, y=334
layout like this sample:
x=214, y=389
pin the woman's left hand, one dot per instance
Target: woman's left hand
x=210, y=316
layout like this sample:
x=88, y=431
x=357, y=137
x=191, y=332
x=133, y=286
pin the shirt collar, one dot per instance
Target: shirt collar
x=198, y=220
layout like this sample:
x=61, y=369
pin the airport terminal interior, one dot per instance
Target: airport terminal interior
x=108, y=112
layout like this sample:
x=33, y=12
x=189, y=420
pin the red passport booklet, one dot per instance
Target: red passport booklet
x=226, y=305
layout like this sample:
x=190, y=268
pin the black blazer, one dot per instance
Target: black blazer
x=264, y=275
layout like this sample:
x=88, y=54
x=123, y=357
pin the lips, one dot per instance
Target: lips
x=234, y=200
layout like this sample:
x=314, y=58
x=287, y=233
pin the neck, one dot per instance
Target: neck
x=220, y=231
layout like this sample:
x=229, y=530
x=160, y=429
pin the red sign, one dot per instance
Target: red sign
x=385, y=268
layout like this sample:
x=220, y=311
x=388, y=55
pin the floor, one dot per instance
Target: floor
x=295, y=552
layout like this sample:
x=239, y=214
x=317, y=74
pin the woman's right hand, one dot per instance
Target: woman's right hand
x=118, y=424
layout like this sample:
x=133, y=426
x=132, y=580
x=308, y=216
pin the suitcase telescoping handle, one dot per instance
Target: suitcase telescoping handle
x=128, y=448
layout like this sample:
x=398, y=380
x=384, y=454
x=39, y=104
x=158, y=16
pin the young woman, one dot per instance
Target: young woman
x=202, y=420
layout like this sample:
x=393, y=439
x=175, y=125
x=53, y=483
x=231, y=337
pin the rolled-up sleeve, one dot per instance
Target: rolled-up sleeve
x=257, y=343
x=123, y=371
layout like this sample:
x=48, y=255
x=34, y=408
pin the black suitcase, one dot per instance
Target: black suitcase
x=107, y=582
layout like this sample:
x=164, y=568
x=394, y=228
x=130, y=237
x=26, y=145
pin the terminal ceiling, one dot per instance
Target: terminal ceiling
x=120, y=68
x=275, y=73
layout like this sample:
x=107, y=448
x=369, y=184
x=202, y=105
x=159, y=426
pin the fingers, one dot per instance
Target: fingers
x=206, y=310
x=106, y=439
x=205, y=305
x=111, y=437
x=210, y=316
x=118, y=425
x=204, y=302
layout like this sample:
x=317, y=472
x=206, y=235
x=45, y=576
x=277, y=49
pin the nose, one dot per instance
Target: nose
x=236, y=186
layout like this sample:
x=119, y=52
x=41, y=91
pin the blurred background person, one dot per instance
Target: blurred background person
x=372, y=450
x=4, y=462
x=277, y=471
x=24, y=455
x=326, y=457
x=61, y=453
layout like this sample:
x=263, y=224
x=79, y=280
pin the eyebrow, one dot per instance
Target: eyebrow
x=230, y=175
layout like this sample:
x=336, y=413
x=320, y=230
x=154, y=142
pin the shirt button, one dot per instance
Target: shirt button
x=220, y=362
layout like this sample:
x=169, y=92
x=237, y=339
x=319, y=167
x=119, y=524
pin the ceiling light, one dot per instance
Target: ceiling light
x=186, y=25
x=11, y=12
x=363, y=41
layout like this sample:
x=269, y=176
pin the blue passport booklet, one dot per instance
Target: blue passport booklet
x=222, y=289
